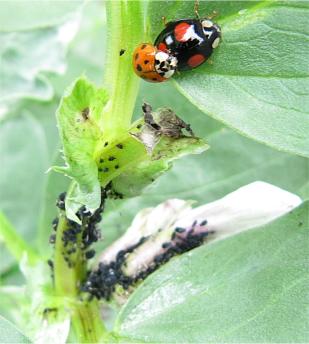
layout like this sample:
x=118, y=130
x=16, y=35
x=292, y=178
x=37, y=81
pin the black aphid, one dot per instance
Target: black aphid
x=50, y=264
x=166, y=244
x=55, y=223
x=61, y=201
x=52, y=239
x=90, y=254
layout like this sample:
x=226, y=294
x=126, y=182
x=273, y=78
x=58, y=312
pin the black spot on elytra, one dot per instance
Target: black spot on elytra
x=143, y=46
x=136, y=56
x=146, y=61
x=139, y=68
x=154, y=79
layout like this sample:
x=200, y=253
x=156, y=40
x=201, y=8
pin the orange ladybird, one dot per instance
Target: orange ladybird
x=152, y=64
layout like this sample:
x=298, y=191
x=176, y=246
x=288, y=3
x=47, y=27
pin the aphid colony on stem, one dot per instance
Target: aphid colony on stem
x=87, y=230
x=126, y=268
x=102, y=282
x=183, y=45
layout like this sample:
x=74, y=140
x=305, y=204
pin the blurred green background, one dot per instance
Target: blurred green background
x=38, y=61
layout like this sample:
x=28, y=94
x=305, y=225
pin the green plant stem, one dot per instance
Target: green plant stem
x=66, y=278
x=87, y=323
x=125, y=30
x=125, y=27
x=86, y=320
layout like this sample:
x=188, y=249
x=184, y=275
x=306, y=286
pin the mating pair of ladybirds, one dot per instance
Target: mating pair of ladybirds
x=183, y=45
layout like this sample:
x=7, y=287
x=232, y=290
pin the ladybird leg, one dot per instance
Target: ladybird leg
x=196, y=7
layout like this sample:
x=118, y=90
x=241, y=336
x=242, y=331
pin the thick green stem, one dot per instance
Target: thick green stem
x=125, y=27
x=65, y=277
x=88, y=325
x=68, y=276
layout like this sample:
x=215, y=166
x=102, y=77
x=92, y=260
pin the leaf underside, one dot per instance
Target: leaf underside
x=243, y=289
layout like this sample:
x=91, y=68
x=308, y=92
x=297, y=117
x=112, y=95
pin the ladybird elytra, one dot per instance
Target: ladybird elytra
x=191, y=41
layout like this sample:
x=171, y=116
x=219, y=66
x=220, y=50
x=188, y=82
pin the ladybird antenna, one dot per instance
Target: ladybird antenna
x=196, y=7
x=164, y=21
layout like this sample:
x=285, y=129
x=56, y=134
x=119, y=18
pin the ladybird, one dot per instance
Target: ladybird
x=152, y=64
x=191, y=41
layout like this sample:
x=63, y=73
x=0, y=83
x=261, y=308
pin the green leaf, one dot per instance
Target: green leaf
x=29, y=144
x=258, y=83
x=25, y=158
x=10, y=334
x=231, y=162
x=33, y=14
x=150, y=167
x=26, y=55
x=78, y=119
x=242, y=289
x=94, y=159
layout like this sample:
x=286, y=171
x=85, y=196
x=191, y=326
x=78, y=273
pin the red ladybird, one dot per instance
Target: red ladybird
x=191, y=41
x=152, y=64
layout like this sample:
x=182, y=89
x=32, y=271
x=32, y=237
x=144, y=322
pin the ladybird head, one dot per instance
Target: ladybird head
x=165, y=64
x=212, y=31
x=152, y=64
